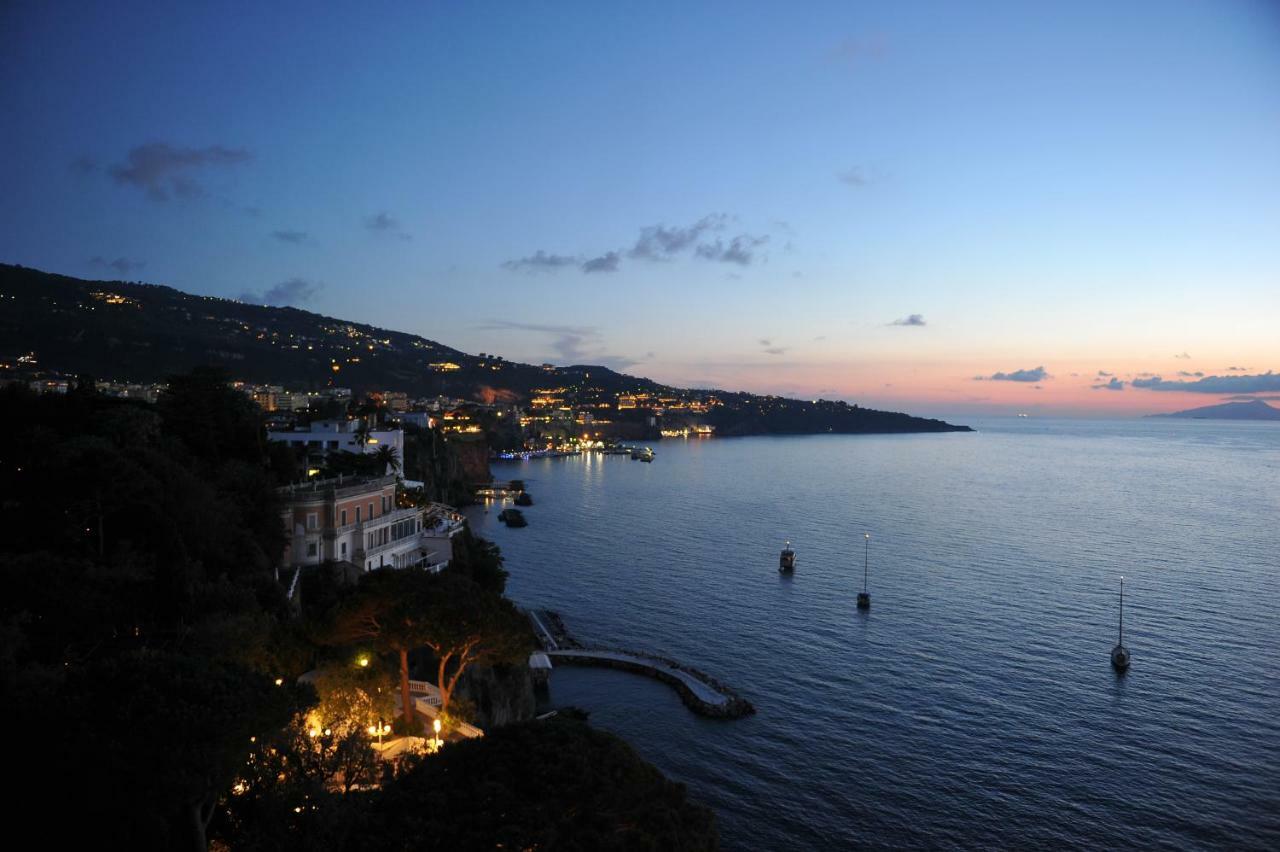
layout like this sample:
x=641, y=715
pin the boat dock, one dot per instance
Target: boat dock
x=702, y=694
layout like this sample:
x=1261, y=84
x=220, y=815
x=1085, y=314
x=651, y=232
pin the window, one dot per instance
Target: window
x=357, y=514
x=311, y=548
x=344, y=518
x=370, y=510
x=344, y=549
x=313, y=520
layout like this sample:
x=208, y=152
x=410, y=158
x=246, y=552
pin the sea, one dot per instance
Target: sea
x=974, y=704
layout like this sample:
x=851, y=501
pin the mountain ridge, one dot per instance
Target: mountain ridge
x=1254, y=409
x=131, y=331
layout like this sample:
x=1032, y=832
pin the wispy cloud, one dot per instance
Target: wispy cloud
x=740, y=250
x=163, y=171
x=1184, y=356
x=659, y=242
x=572, y=344
x=1190, y=375
x=1104, y=374
x=1262, y=383
x=1239, y=369
x=607, y=262
x=541, y=261
x=768, y=347
x=123, y=265
x=855, y=50
x=292, y=292
x=1036, y=374
x=852, y=177
x=385, y=223
x=287, y=236
x=1113, y=385
x=910, y=320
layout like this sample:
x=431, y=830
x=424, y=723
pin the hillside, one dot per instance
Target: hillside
x=122, y=331
x=1253, y=410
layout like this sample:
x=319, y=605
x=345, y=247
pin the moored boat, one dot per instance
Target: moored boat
x=787, y=559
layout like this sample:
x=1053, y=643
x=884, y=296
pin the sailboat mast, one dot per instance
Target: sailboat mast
x=866, y=559
x=1122, y=610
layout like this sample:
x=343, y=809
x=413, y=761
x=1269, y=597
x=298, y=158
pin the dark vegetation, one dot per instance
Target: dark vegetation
x=150, y=660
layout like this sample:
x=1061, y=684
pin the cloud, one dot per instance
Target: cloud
x=290, y=292
x=1239, y=369
x=1183, y=356
x=1197, y=374
x=911, y=320
x=658, y=242
x=163, y=171
x=852, y=177
x=385, y=223
x=1243, y=398
x=540, y=261
x=767, y=345
x=1104, y=374
x=1113, y=385
x=855, y=51
x=741, y=250
x=123, y=265
x=573, y=344
x=84, y=165
x=607, y=262
x=1037, y=374
x=287, y=236
x=1262, y=383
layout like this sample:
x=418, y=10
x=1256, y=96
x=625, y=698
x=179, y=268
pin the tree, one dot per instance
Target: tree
x=388, y=609
x=388, y=458
x=554, y=784
x=466, y=625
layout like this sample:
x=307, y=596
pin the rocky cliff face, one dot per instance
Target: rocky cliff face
x=474, y=456
x=501, y=694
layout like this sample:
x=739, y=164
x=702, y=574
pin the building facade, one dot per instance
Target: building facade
x=355, y=520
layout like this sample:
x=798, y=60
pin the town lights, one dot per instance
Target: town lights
x=435, y=724
x=363, y=661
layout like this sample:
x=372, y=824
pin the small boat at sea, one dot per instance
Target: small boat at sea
x=864, y=597
x=787, y=560
x=643, y=454
x=1120, y=654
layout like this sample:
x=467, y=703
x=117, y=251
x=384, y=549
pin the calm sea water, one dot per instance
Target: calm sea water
x=974, y=705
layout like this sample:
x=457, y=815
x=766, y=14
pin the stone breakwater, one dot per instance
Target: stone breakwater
x=700, y=692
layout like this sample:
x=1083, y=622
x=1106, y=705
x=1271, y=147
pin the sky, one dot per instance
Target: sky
x=943, y=208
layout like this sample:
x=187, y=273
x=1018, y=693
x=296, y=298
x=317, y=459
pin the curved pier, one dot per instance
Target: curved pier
x=697, y=691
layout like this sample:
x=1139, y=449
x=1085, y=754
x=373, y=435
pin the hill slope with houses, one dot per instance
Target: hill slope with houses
x=128, y=331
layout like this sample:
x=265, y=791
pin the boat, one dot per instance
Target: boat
x=1120, y=654
x=643, y=454
x=787, y=559
x=864, y=597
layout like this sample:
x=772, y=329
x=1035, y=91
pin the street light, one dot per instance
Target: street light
x=436, y=724
x=363, y=662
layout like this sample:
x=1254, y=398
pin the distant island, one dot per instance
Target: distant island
x=1253, y=410
x=123, y=331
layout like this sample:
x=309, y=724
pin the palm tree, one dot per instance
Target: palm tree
x=388, y=458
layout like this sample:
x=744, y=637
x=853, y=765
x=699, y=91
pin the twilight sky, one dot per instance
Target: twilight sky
x=880, y=202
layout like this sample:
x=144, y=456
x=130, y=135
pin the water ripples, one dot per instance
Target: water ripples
x=974, y=704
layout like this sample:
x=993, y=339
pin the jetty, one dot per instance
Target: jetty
x=701, y=693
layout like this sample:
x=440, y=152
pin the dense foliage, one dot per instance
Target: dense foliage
x=556, y=784
x=150, y=664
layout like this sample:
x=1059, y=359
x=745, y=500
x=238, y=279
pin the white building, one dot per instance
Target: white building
x=327, y=436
